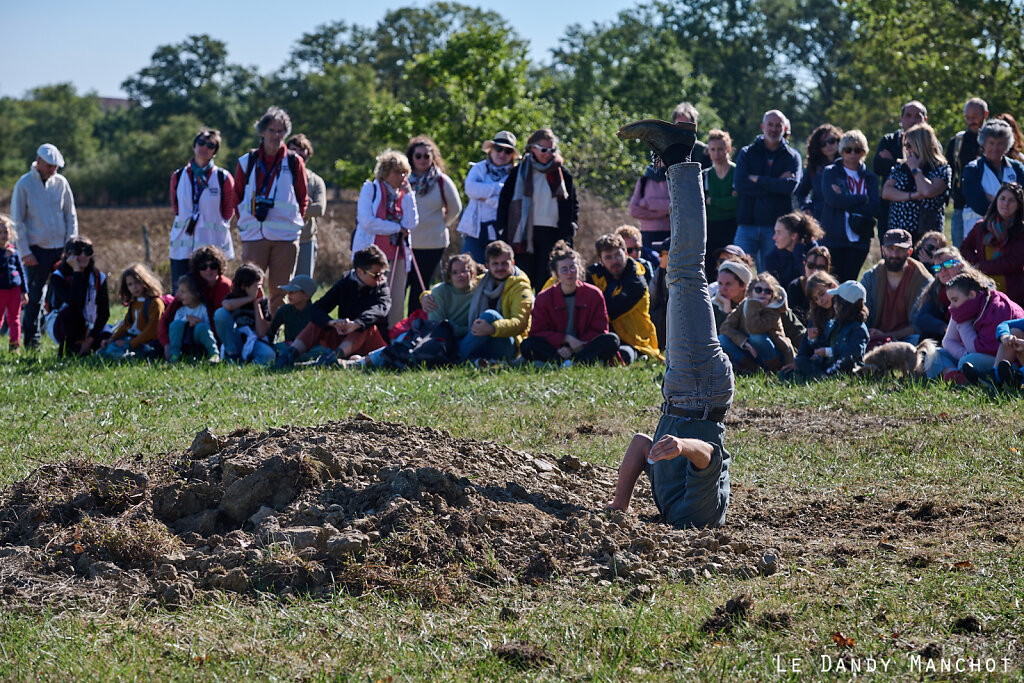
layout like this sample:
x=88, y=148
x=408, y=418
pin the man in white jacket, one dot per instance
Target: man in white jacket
x=43, y=211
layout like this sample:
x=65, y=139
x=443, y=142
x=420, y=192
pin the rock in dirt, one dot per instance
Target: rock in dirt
x=205, y=444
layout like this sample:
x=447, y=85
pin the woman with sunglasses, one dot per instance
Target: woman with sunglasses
x=930, y=313
x=918, y=187
x=822, y=151
x=478, y=225
x=439, y=205
x=206, y=269
x=538, y=206
x=850, y=206
x=995, y=245
x=78, y=303
x=203, y=201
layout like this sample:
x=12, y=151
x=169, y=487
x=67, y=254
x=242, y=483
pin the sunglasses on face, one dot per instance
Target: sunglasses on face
x=502, y=150
x=759, y=289
x=208, y=266
x=545, y=150
x=817, y=266
x=950, y=263
x=632, y=250
x=421, y=155
x=830, y=141
x=853, y=150
x=80, y=250
x=206, y=143
x=379, y=275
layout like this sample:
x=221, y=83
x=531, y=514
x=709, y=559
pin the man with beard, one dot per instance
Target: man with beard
x=893, y=286
x=622, y=281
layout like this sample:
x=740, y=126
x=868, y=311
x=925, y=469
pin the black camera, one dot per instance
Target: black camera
x=261, y=207
x=190, y=228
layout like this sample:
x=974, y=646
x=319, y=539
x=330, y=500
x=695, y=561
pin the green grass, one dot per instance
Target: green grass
x=827, y=441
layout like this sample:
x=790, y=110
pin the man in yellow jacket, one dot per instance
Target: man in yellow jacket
x=622, y=281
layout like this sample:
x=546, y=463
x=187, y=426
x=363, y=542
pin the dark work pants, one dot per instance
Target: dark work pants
x=600, y=349
x=37, y=278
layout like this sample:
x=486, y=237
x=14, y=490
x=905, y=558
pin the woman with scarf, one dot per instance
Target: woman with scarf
x=538, y=206
x=478, y=225
x=386, y=214
x=203, y=201
x=995, y=245
x=438, y=204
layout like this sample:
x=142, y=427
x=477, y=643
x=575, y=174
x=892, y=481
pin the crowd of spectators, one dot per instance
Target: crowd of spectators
x=788, y=238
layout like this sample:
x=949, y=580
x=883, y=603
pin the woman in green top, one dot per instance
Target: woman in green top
x=720, y=197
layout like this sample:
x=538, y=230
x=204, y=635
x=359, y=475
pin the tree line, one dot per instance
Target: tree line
x=459, y=74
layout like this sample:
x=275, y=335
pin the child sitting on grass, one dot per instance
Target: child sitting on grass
x=243, y=319
x=752, y=336
x=191, y=324
x=971, y=340
x=136, y=336
x=841, y=345
x=13, y=283
x=1010, y=356
x=293, y=316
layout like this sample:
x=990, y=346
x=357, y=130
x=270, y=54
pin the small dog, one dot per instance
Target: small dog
x=899, y=357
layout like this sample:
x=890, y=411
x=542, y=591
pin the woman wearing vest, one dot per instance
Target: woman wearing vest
x=270, y=187
x=203, y=200
x=438, y=204
x=386, y=214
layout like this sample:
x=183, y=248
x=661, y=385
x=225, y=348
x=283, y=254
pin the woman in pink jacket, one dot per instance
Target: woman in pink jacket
x=649, y=204
x=569, y=323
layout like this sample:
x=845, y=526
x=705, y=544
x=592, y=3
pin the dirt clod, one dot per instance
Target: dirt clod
x=523, y=655
x=968, y=624
x=728, y=615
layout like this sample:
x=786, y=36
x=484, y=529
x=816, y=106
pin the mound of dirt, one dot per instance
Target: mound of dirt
x=356, y=505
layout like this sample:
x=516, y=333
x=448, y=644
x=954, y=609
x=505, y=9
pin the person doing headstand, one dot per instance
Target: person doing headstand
x=686, y=459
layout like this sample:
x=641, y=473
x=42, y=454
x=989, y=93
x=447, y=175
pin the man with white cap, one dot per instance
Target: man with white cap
x=43, y=210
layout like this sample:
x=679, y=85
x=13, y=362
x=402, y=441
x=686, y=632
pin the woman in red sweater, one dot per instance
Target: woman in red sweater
x=569, y=323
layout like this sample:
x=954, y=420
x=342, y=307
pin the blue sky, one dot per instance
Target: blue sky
x=97, y=44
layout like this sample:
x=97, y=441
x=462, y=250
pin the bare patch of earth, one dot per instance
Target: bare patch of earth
x=361, y=505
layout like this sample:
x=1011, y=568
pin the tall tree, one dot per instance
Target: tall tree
x=195, y=78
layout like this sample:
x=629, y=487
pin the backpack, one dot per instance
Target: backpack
x=428, y=344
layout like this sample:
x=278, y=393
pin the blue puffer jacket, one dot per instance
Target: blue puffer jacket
x=761, y=203
x=838, y=204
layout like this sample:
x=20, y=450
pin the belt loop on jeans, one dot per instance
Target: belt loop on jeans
x=708, y=413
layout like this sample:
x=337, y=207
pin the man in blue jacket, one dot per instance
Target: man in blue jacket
x=767, y=173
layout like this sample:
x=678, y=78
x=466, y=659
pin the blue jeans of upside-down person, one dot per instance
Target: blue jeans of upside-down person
x=698, y=383
x=490, y=348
